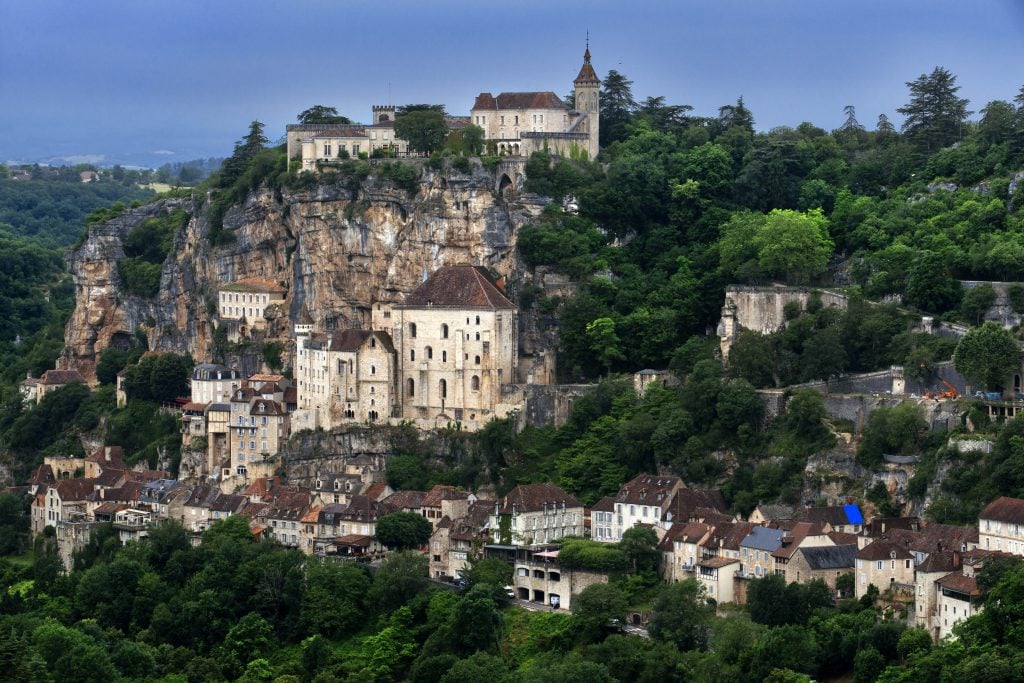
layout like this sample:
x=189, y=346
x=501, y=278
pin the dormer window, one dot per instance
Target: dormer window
x=337, y=485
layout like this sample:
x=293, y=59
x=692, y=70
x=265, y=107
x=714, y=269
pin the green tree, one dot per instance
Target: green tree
x=472, y=140
x=935, y=115
x=488, y=570
x=319, y=113
x=930, y=285
x=976, y=302
x=402, y=575
x=617, y=107
x=595, y=607
x=403, y=530
x=987, y=355
x=334, y=600
x=604, y=342
x=424, y=130
x=640, y=545
x=794, y=246
x=682, y=615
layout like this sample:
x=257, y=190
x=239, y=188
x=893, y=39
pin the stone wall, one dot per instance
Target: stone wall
x=1002, y=311
x=543, y=405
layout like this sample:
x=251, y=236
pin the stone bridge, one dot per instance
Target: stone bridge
x=510, y=175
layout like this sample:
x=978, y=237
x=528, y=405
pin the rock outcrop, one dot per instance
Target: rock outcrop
x=337, y=250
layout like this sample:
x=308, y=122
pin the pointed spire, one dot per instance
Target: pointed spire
x=587, y=75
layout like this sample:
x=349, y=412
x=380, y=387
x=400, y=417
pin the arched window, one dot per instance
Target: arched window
x=444, y=331
x=477, y=336
x=412, y=354
x=350, y=366
x=444, y=356
x=476, y=359
x=430, y=353
x=412, y=330
x=478, y=320
x=442, y=388
x=410, y=387
x=373, y=342
x=474, y=383
x=373, y=369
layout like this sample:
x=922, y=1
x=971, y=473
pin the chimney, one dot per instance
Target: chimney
x=500, y=284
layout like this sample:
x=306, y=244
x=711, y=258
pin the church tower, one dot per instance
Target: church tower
x=588, y=90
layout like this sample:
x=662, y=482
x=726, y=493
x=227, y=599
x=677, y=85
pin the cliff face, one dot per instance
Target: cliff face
x=336, y=250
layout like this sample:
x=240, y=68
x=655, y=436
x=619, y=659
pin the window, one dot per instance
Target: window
x=410, y=387
x=412, y=354
x=516, y=119
x=443, y=389
x=444, y=356
x=373, y=369
x=444, y=331
x=476, y=359
x=412, y=330
x=430, y=353
x=474, y=383
x=878, y=565
x=327, y=150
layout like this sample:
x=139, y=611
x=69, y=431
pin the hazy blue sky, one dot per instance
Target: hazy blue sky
x=142, y=81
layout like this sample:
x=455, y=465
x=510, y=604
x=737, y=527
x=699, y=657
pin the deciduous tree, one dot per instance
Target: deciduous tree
x=987, y=355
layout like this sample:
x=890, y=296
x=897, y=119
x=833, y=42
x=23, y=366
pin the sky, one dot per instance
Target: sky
x=145, y=82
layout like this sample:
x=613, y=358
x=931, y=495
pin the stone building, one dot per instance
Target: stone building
x=520, y=123
x=213, y=383
x=886, y=565
x=536, y=513
x=56, y=379
x=644, y=500
x=349, y=377
x=825, y=562
x=1001, y=526
x=245, y=303
x=538, y=578
x=456, y=339
x=257, y=427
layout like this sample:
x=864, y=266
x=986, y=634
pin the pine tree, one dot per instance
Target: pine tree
x=935, y=115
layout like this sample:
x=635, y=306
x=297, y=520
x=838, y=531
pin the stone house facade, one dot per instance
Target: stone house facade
x=533, y=514
x=644, y=500
x=825, y=562
x=1001, y=526
x=884, y=564
x=247, y=300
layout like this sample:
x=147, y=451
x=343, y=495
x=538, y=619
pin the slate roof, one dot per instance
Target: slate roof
x=830, y=556
x=587, y=74
x=777, y=511
x=534, y=497
x=228, y=502
x=1004, y=509
x=111, y=456
x=939, y=561
x=42, y=475
x=353, y=340
x=74, y=489
x=606, y=504
x=763, y=538
x=459, y=286
x=835, y=515
x=362, y=509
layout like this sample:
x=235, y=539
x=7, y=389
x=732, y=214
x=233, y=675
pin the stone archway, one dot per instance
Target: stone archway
x=505, y=185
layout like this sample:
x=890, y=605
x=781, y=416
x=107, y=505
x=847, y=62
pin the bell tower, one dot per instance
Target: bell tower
x=588, y=92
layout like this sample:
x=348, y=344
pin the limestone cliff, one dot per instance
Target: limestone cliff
x=337, y=250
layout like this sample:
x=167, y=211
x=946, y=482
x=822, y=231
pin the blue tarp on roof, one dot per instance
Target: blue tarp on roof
x=853, y=514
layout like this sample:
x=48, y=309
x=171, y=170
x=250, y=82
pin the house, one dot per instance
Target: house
x=67, y=498
x=29, y=389
x=643, y=500
x=536, y=513
x=214, y=383
x=844, y=518
x=717, y=575
x=246, y=303
x=445, y=501
x=325, y=144
x=926, y=590
x=766, y=513
x=756, y=552
x=601, y=519
x=681, y=550
x=825, y=562
x=404, y=501
x=132, y=524
x=288, y=507
x=56, y=379
x=886, y=565
x=256, y=429
x=688, y=505
x=536, y=577
x=455, y=542
x=1001, y=526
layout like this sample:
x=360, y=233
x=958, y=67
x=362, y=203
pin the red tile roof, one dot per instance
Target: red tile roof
x=647, y=489
x=254, y=284
x=956, y=581
x=884, y=550
x=587, y=74
x=1004, y=509
x=460, y=286
x=442, y=492
x=520, y=101
x=533, y=497
x=74, y=489
x=61, y=377
x=404, y=500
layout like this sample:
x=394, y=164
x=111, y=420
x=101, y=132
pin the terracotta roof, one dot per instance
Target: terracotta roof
x=686, y=501
x=312, y=516
x=129, y=491
x=353, y=340
x=262, y=406
x=833, y=515
x=692, y=532
x=254, y=284
x=520, y=100
x=1004, y=509
x=61, y=377
x=110, y=477
x=243, y=395
x=291, y=395
x=108, y=455
x=30, y=381
x=194, y=407
x=587, y=74
x=404, y=500
x=354, y=540
x=830, y=556
x=109, y=508
x=884, y=550
x=355, y=130
x=843, y=538
x=717, y=562
x=939, y=561
x=460, y=286
x=42, y=475
x=792, y=540
x=442, y=492
x=146, y=476
x=376, y=491
x=647, y=489
x=606, y=504
x=74, y=489
x=533, y=497
x=957, y=582
x=444, y=523
x=265, y=378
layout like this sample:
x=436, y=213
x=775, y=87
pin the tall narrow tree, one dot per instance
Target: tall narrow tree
x=935, y=115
